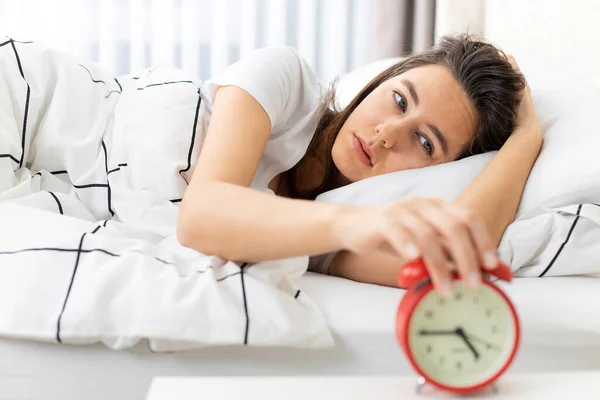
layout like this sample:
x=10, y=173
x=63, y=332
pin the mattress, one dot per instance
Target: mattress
x=560, y=331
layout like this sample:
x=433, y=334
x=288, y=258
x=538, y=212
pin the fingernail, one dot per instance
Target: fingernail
x=446, y=288
x=474, y=279
x=411, y=251
x=490, y=261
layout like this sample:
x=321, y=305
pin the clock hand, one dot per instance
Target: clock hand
x=424, y=332
x=480, y=340
x=461, y=333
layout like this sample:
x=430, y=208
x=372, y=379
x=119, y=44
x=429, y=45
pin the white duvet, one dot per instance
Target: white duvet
x=92, y=168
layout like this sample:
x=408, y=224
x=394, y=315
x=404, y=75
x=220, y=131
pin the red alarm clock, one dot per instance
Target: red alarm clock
x=462, y=342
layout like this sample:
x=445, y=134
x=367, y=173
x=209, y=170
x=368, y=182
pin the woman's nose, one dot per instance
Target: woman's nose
x=387, y=134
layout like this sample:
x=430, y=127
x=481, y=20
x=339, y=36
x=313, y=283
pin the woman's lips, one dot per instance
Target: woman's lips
x=362, y=155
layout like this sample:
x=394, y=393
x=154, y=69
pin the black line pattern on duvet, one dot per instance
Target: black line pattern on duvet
x=116, y=169
x=119, y=255
x=107, y=181
x=101, y=81
x=119, y=83
x=115, y=90
x=245, y=304
x=27, y=97
x=10, y=40
x=16, y=41
x=297, y=294
x=60, y=209
x=100, y=226
x=101, y=185
x=80, y=251
x=33, y=249
x=190, y=150
x=69, y=290
x=562, y=246
x=96, y=185
x=165, y=83
x=13, y=158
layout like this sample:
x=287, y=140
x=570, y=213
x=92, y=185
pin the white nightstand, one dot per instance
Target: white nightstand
x=561, y=385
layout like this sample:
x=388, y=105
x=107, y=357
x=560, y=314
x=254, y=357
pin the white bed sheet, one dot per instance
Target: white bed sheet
x=560, y=325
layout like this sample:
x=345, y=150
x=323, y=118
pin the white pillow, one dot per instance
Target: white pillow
x=566, y=172
x=444, y=180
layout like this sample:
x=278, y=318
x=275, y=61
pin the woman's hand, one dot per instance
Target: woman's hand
x=447, y=237
x=527, y=122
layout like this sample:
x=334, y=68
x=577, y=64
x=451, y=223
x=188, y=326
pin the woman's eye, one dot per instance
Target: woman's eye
x=400, y=100
x=426, y=144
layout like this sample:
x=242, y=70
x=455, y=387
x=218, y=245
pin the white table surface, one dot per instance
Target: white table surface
x=558, y=385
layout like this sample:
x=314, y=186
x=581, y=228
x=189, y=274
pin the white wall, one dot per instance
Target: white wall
x=559, y=37
x=547, y=37
x=457, y=16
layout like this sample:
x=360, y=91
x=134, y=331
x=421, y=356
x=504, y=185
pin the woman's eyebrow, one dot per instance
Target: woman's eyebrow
x=411, y=90
x=438, y=134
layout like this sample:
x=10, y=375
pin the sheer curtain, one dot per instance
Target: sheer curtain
x=200, y=36
x=401, y=27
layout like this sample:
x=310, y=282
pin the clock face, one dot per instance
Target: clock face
x=464, y=339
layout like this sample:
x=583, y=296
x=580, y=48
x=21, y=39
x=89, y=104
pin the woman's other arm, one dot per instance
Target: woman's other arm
x=495, y=194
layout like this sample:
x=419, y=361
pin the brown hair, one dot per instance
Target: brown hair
x=483, y=71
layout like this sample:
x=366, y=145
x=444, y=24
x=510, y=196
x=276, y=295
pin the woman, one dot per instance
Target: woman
x=460, y=98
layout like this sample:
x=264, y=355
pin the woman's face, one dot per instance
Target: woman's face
x=419, y=118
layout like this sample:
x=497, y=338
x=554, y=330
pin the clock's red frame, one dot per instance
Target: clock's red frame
x=414, y=275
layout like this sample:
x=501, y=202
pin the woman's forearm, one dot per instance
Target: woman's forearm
x=242, y=224
x=495, y=194
x=377, y=268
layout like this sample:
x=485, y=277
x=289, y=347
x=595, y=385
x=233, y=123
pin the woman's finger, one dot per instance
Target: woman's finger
x=480, y=236
x=513, y=62
x=430, y=248
x=401, y=242
x=456, y=233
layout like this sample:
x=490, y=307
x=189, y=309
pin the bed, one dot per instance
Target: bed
x=560, y=315
x=560, y=324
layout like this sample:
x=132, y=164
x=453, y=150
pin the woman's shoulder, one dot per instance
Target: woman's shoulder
x=285, y=60
x=282, y=53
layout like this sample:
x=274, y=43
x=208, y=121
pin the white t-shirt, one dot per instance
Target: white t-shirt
x=286, y=86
